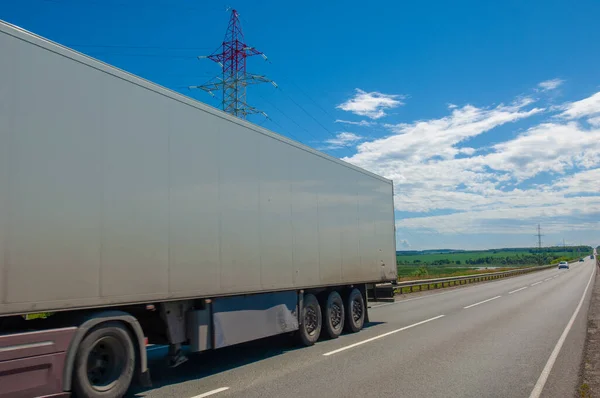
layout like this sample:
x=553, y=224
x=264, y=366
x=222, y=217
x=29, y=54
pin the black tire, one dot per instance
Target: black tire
x=105, y=362
x=355, y=311
x=311, y=321
x=333, y=315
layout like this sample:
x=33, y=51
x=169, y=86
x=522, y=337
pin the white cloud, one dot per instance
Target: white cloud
x=362, y=123
x=586, y=107
x=548, y=147
x=467, y=151
x=423, y=140
x=557, y=213
x=342, y=140
x=372, y=105
x=490, y=189
x=551, y=84
x=403, y=243
x=594, y=121
x=587, y=181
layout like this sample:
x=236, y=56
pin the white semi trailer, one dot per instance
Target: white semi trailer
x=132, y=214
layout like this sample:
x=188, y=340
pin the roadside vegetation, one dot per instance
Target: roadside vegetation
x=445, y=263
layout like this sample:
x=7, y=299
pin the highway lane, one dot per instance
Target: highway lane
x=491, y=339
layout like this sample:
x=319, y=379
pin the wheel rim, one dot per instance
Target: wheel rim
x=310, y=320
x=357, y=310
x=336, y=315
x=105, y=363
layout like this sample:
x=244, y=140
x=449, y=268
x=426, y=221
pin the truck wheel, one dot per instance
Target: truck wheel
x=310, y=328
x=333, y=316
x=355, y=311
x=105, y=362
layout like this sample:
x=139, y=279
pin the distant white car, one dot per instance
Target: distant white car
x=563, y=264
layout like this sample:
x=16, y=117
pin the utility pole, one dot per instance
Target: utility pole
x=539, y=235
x=231, y=57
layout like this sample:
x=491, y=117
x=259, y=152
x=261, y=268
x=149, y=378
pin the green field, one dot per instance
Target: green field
x=442, y=263
x=406, y=273
x=497, y=257
x=458, y=256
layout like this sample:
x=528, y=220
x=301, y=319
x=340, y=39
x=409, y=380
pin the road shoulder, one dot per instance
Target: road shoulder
x=589, y=385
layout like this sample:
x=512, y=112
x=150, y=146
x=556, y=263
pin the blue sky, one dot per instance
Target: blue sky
x=486, y=115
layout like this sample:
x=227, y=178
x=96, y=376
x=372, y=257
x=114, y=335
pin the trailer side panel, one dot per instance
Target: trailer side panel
x=114, y=190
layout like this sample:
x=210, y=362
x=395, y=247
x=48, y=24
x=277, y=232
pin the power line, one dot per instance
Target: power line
x=135, y=5
x=300, y=106
x=316, y=103
x=282, y=129
x=177, y=56
x=312, y=100
x=308, y=113
x=288, y=117
x=232, y=56
x=539, y=236
x=139, y=47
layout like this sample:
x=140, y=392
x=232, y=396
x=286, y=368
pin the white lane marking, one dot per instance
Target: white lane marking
x=437, y=294
x=412, y=299
x=547, y=279
x=381, y=336
x=213, y=392
x=518, y=290
x=537, y=283
x=481, y=302
x=539, y=386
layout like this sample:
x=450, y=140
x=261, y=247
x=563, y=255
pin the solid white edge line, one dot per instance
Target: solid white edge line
x=537, y=283
x=208, y=394
x=381, y=336
x=481, y=302
x=518, y=290
x=539, y=386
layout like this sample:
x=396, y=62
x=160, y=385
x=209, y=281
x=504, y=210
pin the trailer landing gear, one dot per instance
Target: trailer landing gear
x=176, y=356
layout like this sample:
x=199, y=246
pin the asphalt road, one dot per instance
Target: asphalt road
x=505, y=338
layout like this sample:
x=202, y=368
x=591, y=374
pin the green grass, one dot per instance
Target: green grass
x=464, y=256
x=461, y=256
x=482, y=258
x=407, y=273
x=432, y=264
x=584, y=391
x=408, y=270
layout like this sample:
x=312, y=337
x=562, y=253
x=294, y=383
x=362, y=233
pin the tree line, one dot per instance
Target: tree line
x=545, y=257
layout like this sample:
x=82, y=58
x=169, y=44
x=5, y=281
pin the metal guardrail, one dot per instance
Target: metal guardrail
x=389, y=289
x=462, y=280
